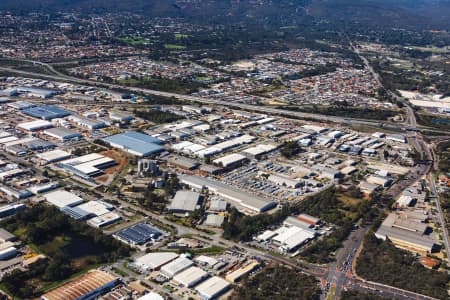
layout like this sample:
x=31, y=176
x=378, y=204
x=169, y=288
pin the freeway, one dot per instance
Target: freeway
x=255, y=108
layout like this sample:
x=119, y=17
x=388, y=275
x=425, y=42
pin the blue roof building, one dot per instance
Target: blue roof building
x=136, y=143
x=46, y=112
x=138, y=234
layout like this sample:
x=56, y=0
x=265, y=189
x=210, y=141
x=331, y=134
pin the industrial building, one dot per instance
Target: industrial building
x=231, y=160
x=62, y=198
x=104, y=220
x=292, y=234
x=87, y=286
x=43, y=188
x=136, y=143
x=88, y=210
x=190, y=277
x=236, y=275
x=120, y=117
x=62, y=134
x=53, y=156
x=379, y=180
x=243, y=200
x=214, y=220
x=87, y=123
x=6, y=236
x=218, y=205
x=257, y=151
x=183, y=162
x=35, y=125
x=185, y=202
x=46, y=112
x=282, y=180
x=154, y=261
x=175, y=267
x=151, y=296
x=38, y=92
x=212, y=288
x=407, y=233
x=19, y=105
x=11, y=209
x=138, y=234
x=7, y=252
x=87, y=166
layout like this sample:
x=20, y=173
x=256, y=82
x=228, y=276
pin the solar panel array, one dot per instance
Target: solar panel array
x=139, y=234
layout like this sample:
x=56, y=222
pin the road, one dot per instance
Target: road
x=255, y=108
x=434, y=195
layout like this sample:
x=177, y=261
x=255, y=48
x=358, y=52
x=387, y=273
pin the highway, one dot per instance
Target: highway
x=255, y=108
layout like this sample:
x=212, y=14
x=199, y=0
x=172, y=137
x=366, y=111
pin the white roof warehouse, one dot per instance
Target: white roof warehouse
x=240, y=198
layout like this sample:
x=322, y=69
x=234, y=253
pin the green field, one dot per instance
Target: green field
x=174, y=47
x=135, y=41
x=180, y=36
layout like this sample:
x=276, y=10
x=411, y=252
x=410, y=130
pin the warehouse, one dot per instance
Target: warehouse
x=87, y=123
x=42, y=188
x=120, y=117
x=96, y=208
x=190, y=277
x=35, y=125
x=313, y=221
x=257, y=151
x=136, y=143
x=88, y=286
x=12, y=209
x=76, y=213
x=138, y=234
x=218, y=205
x=62, y=134
x=396, y=138
x=154, y=261
x=7, y=139
x=53, y=156
x=248, y=203
x=236, y=275
x=231, y=160
x=15, y=193
x=284, y=181
x=19, y=105
x=379, y=180
x=38, y=92
x=185, y=202
x=62, y=198
x=290, y=238
x=87, y=166
x=175, y=267
x=151, y=296
x=183, y=162
x=212, y=288
x=8, y=253
x=407, y=234
x=46, y=112
x=214, y=220
x=6, y=236
x=11, y=173
x=35, y=144
x=104, y=220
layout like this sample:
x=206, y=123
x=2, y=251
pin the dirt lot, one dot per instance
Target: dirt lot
x=121, y=160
